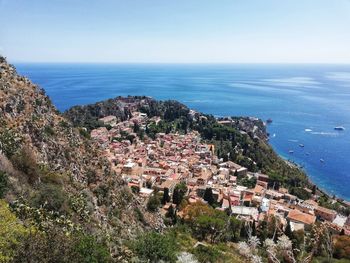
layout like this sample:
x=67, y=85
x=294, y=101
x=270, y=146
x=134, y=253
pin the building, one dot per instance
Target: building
x=325, y=213
x=108, y=120
x=246, y=212
x=297, y=216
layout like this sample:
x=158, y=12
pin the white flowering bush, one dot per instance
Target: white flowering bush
x=185, y=257
x=249, y=249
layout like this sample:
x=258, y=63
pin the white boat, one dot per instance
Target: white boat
x=301, y=145
x=339, y=128
x=291, y=151
x=321, y=160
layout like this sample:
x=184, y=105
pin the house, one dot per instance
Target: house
x=325, y=213
x=272, y=194
x=236, y=168
x=259, y=190
x=242, y=171
x=234, y=198
x=246, y=212
x=108, y=120
x=307, y=206
x=339, y=221
x=170, y=184
x=262, y=177
x=146, y=192
x=247, y=197
x=297, y=216
x=130, y=168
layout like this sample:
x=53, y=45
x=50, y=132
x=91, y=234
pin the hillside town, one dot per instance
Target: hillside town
x=160, y=164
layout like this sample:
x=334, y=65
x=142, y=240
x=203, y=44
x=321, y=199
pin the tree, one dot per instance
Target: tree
x=171, y=213
x=300, y=193
x=208, y=196
x=136, y=127
x=254, y=228
x=176, y=197
x=179, y=193
x=211, y=228
x=342, y=247
x=166, y=197
x=153, y=203
x=314, y=189
x=234, y=228
x=288, y=231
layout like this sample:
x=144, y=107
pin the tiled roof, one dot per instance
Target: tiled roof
x=299, y=216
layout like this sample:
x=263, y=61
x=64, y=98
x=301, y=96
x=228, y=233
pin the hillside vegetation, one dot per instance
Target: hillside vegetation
x=58, y=190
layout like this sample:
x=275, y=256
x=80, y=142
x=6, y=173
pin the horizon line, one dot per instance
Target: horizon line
x=180, y=63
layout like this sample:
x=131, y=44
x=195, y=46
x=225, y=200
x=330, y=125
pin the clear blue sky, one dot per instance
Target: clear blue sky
x=175, y=31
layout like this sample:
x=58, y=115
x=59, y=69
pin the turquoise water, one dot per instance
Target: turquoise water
x=305, y=102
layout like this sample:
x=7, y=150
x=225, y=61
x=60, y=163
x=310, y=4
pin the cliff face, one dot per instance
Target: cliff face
x=40, y=149
x=28, y=115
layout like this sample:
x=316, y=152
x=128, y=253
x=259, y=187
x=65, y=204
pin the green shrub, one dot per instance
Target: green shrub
x=64, y=124
x=91, y=176
x=206, y=254
x=3, y=184
x=83, y=132
x=155, y=247
x=53, y=245
x=49, y=131
x=89, y=250
x=9, y=142
x=11, y=233
x=51, y=196
x=25, y=162
x=135, y=189
x=153, y=203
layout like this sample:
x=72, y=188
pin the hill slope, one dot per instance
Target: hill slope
x=51, y=168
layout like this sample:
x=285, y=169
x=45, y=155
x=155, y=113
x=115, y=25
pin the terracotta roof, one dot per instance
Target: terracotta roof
x=258, y=189
x=299, y=216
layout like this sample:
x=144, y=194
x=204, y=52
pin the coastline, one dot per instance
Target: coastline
x=319, y=188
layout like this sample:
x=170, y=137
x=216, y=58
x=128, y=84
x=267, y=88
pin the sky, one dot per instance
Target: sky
x=176, y=31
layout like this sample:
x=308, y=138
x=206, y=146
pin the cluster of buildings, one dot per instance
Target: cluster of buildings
x=163, y=162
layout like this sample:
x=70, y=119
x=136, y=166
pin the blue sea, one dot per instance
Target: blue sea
x=305, y=102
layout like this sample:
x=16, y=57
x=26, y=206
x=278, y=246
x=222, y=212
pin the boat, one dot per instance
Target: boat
x=268, y=121
x=291, y=151
x=321, y=160
x=339, y=128
x=301, y=145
